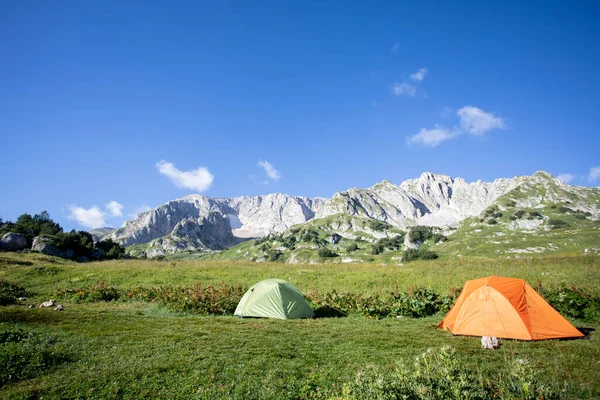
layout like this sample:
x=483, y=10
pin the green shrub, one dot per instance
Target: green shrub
x=420, y=254
x=325, y=252
x=519, y=213
x=492, y=221
x=534, y=215
x=573, y=302
x=377, y=225
x=10, y=292
x=212, y=300
x=423, y=233
x=376, y=249
x=274, y=255
x=113, y=250
x=557, y=223
x=81, y=242
x=510, y=203
x=99, y=292
x=351, y=247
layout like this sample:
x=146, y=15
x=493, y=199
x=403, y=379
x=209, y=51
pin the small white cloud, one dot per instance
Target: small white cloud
x=199, y=179
x=594, y=174
x=141, y=209
x=432, y=137
x=477, y=122
x=395, y=48
x=269, y=170
x=115, y=209
x=403, y=89
x=90, y=218
x=566, y=178
x=419, y=75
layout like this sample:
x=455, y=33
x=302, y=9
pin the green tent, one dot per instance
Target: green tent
x=273, y=298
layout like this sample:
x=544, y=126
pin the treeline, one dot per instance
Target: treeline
x=75, y=245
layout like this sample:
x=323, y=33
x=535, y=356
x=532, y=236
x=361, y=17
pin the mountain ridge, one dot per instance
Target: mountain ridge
x=436, y=200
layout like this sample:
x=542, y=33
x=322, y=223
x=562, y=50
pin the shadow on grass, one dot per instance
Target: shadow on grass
x=586, y=331
x=329, y=312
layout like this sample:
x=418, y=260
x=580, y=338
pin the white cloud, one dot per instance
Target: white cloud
x=115, y=209
x=594, y=174
x=269, y=169
x=403, y=88
x=395, y=48
x=432, y=137
x=477, y=122
x=90, y=218
x=419, y=75
x=566, y=178
x=141, y=209
x=198, y=179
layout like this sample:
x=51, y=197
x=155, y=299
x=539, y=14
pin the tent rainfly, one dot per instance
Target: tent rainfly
x=273, y=298
x=506, y=308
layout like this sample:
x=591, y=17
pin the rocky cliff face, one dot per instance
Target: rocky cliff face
x=198, y=222
x=258, y=216
x=438, y=200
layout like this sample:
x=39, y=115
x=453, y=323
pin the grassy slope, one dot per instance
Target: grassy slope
x=133, y=350
x=305, y=252
x=480, y=238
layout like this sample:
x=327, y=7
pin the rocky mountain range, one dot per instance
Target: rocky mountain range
x=200, y=223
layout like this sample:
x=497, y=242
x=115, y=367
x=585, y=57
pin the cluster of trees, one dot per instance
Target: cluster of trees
x=423, y=233
x=73, y=244
x=31, y=226
x=393, y=243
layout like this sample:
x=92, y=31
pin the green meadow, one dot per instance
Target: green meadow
x=129, y=349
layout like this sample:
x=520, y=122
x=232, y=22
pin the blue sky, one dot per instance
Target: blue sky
x=131, y=104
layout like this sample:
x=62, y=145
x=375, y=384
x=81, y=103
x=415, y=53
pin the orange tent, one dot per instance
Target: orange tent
x=506, y=308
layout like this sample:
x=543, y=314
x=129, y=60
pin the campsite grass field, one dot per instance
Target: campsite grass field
x=130, y=349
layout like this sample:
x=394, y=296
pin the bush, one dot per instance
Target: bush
x=351, y=247
x=377, y=225
x=325, y=252
x=377, y=248
x=510, y=203
x=10, y=292
x=420, y=254
x=393, y=243
x=99, y=292
x=274, y=255
x=113, y=250
x=492, y=221
x=573, y=302
x=519, y=213
x=211, y=300
x=534, y=215
x=557, y=223
x=81, y=242
x=423, y=233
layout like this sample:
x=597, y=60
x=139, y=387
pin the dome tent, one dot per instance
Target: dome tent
x=273, y=298
x=506, y=308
